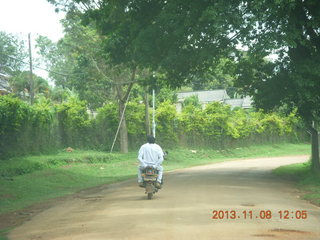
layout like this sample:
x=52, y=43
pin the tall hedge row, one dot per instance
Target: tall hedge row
x=25, y=129
x=44, y=127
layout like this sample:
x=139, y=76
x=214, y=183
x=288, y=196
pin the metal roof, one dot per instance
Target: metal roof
x=234, y=102
x=205, y=96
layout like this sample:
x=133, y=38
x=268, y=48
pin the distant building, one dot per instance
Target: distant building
x=4, y=84
x=244, y=103
x=206, y=97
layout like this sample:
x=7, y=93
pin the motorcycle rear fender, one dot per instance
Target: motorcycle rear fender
x=149, y=188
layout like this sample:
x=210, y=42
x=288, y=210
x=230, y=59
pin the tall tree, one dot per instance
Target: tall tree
x=80, y=54
x=12, y=53
x=292, y=30
x=77, y=61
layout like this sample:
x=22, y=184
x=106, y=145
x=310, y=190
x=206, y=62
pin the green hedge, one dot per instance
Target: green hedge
x=44, y=127
x=25, y=129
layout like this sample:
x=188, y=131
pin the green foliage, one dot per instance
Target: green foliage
x=166, y=94
x=20, y=84
x=166, y=120
x=135, y=119
x=191, y=120
x=74, y=123
x=12, y=53
x=24, y=128
x=217, y=125
x=293, y=79
x=192, y=100
x=78, y=61
x=107, y=122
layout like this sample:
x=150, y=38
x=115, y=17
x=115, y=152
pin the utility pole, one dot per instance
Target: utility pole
x=153, y=114
x=147, y=117
x=31, y=74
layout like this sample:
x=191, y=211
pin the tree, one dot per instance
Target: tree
x=179, y=38
x=12, y=53
x=290, y=29
x=219, y=76
x=77, y=61
x=80, y=54
x=21, y=85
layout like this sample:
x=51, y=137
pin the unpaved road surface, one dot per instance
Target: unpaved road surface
x=183, y=209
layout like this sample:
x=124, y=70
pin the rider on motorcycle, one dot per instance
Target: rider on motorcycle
x=150, y=154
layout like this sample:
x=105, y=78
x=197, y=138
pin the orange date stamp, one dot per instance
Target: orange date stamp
x=260, y=214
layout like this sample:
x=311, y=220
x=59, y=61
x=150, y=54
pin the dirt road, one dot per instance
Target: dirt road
x=183, y=209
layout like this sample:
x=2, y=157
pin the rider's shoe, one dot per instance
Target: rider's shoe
x=158, y=185
x=141, y=184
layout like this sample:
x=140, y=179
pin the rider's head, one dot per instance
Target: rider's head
x=151, y=139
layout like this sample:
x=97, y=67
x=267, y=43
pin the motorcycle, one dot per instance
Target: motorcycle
x=149, y=176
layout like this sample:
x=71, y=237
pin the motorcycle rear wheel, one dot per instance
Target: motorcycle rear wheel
x=150, y=195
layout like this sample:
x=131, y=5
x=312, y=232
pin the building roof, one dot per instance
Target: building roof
x=234, y=102
x=205, y=96
x=245, y=102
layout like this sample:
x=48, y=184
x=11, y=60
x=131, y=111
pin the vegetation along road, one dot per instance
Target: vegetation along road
x=229, y=200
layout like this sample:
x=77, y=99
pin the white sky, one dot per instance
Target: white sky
x=37, y=17
x=30, y=16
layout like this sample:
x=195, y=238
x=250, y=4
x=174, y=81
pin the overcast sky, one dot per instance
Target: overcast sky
x=30, y=16
x=37, y=17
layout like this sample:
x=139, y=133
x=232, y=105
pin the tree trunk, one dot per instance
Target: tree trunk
x=122, y=100
x=315, y=160
x=123, y=132
x=147, y=116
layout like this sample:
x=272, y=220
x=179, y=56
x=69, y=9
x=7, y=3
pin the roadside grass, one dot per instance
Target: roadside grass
x=182, y=158
x=32, y=179
x=4, y=232
x=306, y=180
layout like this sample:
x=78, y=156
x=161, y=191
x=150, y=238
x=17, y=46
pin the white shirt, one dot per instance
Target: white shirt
x=150, y=154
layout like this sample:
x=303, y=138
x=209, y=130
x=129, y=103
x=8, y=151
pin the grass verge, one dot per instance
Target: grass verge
x=307, y=181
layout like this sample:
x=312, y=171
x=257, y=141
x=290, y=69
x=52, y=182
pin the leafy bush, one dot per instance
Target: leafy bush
x=106, y=124
x=24, y=128
x=166, y=117
x=219, y=126
x=74, y=123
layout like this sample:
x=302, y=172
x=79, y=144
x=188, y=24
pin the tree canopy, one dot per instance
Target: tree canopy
x=184, y=38
x=12, y=53
x=179, y=38
x=292, y=30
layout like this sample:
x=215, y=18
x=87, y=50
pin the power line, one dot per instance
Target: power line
x=47, y=70
x=65, y=74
